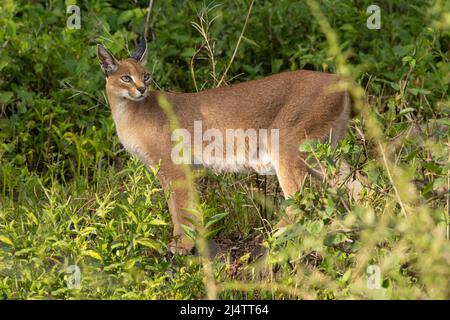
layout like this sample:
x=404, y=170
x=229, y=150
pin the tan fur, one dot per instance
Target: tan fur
x=301, y=104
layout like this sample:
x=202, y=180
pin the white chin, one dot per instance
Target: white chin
x=135, y=99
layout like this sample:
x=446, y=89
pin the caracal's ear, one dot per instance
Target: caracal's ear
x=140, y=53
x=108, y=63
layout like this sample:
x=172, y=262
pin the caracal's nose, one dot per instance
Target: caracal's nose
x=142, y=89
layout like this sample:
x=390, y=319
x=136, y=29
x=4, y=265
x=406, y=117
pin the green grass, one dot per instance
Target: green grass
x=70, y=194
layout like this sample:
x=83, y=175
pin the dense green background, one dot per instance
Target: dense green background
x=69, y=193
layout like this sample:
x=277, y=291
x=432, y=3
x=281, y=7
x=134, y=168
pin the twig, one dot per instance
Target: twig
x=191, y=65
x=203, y=27
x=147, y=19
x=237, y=44
x=391, y=179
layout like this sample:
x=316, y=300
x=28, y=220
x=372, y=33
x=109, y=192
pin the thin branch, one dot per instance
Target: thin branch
x=237, y=44
x=147, y=19
x=391, y=179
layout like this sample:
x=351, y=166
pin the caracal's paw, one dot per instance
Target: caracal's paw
x=287, y=219
x=283, y=223
x=182, y=246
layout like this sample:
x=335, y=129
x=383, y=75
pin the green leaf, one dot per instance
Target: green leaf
x=158, y=222
x=212, y=233
x=250, y=41
x=439, y=183
x=214, y=219
x=432, y=167
x=245, y=257
x=308, y=146
x=6, y=240
x=346, y=275
x=125, y=16
x=5, y=96
x=315, y=227
x=335, y=239
x=416, y=91
x=405, y=111
x=92, y=254
x=187, y=53
x=149, y=244
x=190, y=232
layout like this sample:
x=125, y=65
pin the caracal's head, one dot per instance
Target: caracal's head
x=126, y=79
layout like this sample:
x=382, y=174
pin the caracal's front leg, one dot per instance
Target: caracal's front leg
x=174, y=182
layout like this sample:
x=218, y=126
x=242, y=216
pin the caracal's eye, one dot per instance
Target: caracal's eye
x=126, y=78
x=146, y=77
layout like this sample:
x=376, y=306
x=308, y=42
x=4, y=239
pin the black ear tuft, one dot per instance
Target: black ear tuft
x=108, y=63
x=140, y=53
